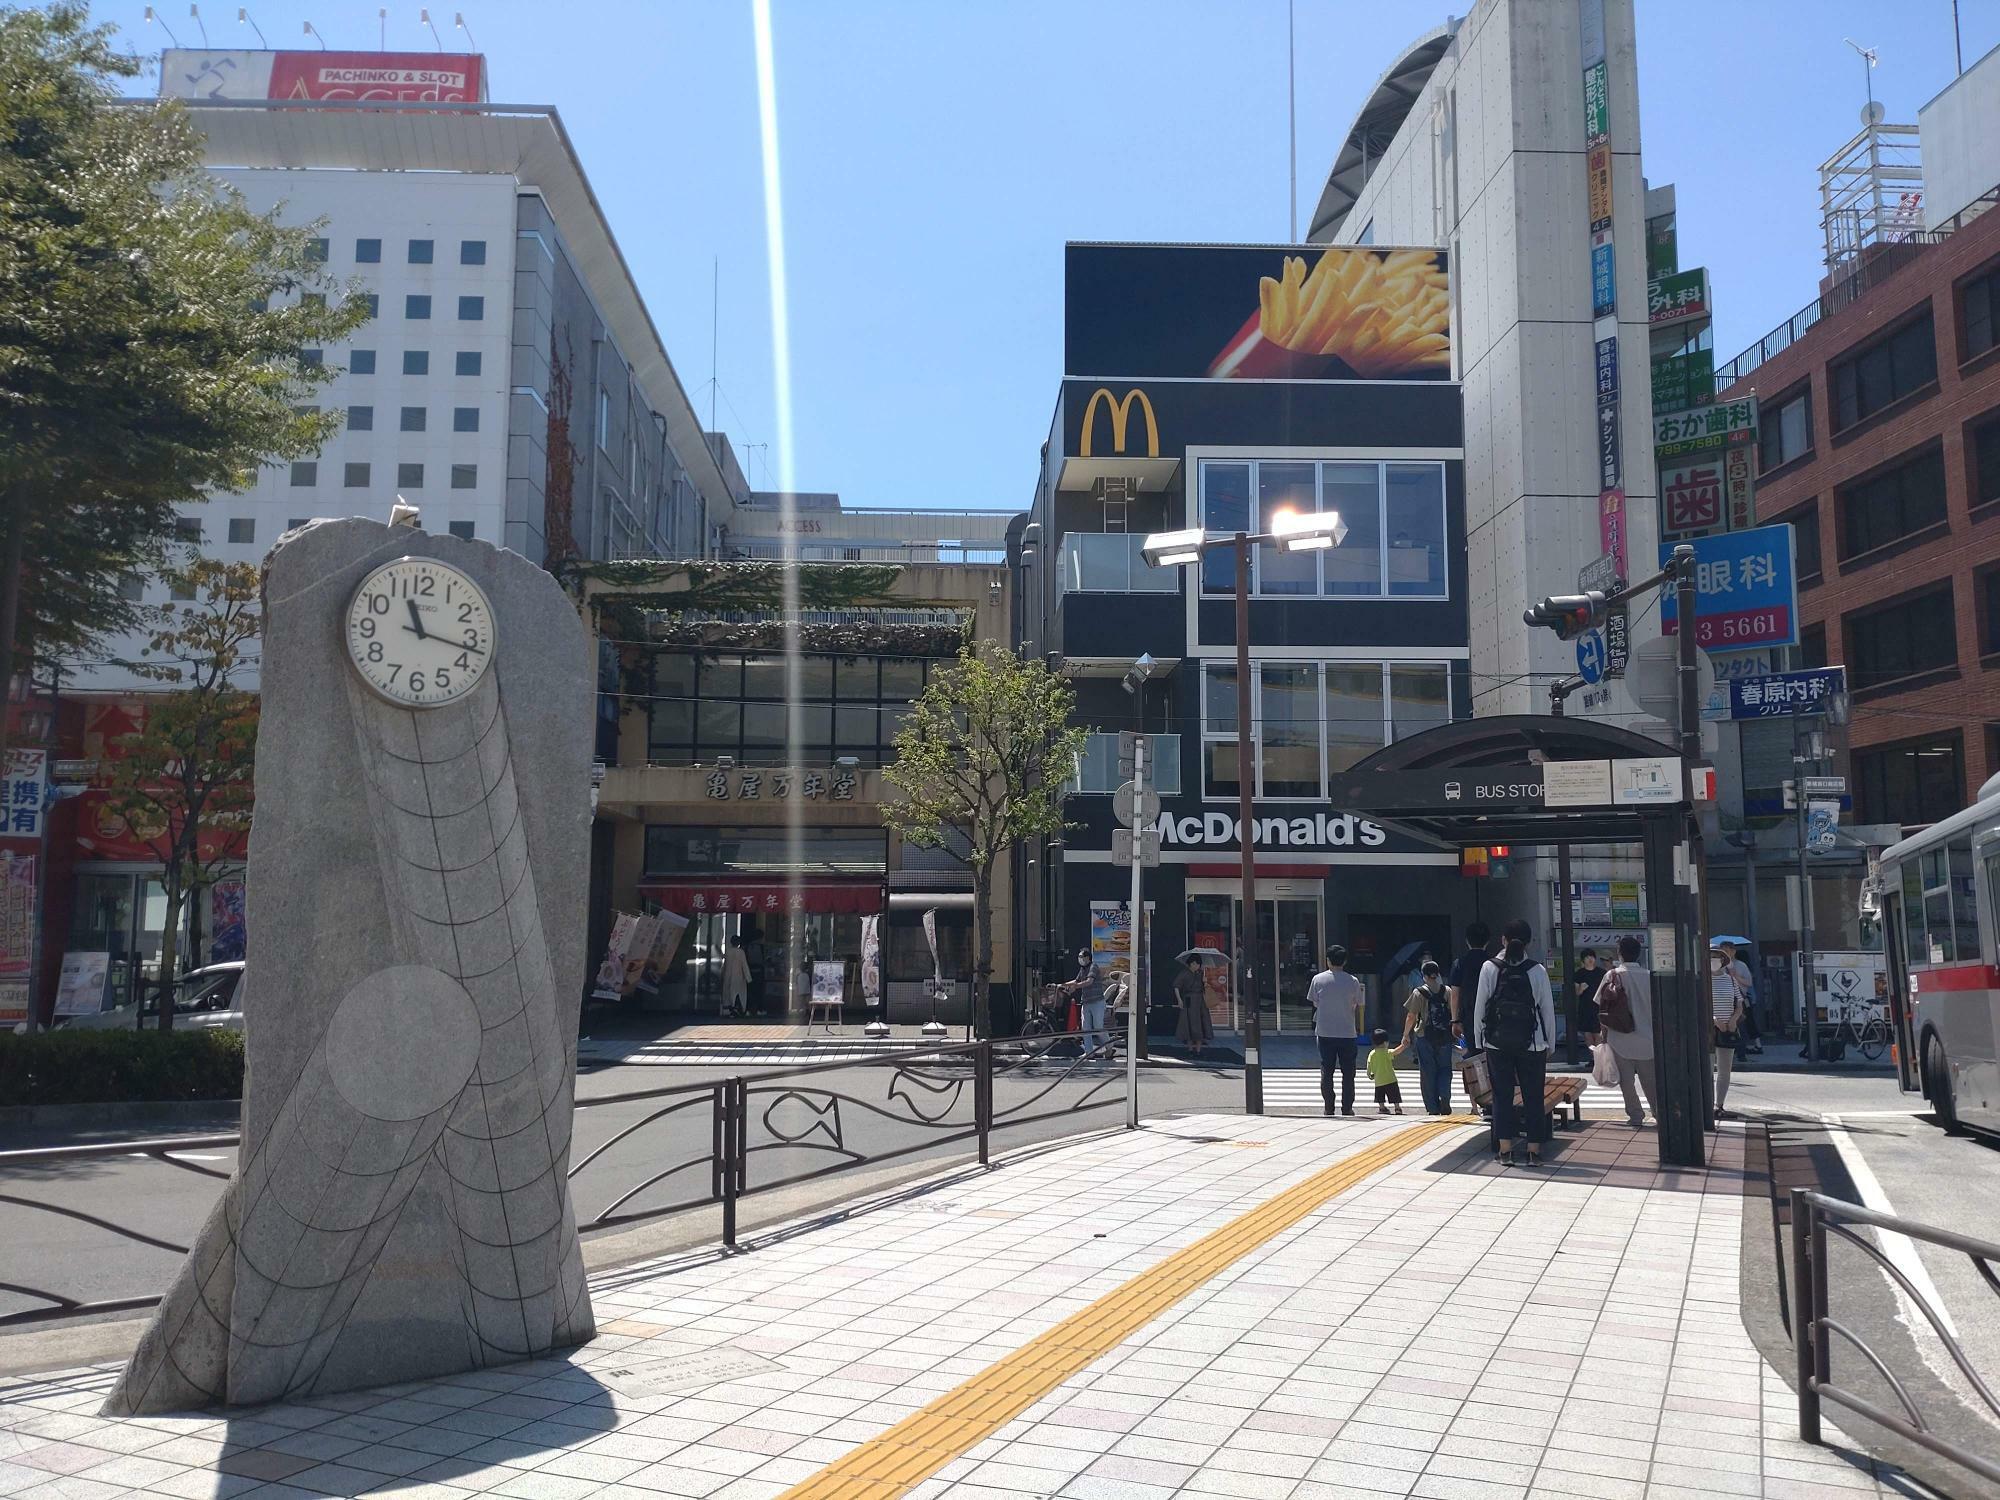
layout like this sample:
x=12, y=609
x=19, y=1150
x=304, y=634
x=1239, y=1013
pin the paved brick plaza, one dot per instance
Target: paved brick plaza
x=1310, y=1308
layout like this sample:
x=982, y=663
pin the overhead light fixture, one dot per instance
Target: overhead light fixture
x=1173, y=549
x=1308, y=531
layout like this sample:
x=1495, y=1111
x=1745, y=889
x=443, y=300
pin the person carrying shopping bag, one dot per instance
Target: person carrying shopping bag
x=1514, y=1021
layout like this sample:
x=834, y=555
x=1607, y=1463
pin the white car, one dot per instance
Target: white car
x=204, y=999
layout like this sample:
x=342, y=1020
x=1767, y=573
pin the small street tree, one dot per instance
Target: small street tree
x=182, y=783
x=158, y=340
x=984, y=754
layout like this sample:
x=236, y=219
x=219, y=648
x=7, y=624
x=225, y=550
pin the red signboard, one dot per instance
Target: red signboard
x=726, y=897
x=1692, y=495
x=415, y=77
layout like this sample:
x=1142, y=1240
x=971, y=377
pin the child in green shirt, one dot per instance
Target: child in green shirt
x=1382, y=1073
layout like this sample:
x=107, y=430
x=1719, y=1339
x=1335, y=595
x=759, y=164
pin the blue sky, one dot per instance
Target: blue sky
x=937, y=153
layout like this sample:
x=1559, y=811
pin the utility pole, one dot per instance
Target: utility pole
x=1246, y=770
x=1559, y=692
x=1135, y=997
x=1688, y=1146
x=1802, y=760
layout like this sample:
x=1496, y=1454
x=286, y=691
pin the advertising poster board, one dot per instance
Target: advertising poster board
x=871, y=961
x=611, y=973
x=234, y=73
x=80, y=990
x=668, y=930
x=1256, y=312
x=829, y=981
x=228, y=934
x=1111, y=940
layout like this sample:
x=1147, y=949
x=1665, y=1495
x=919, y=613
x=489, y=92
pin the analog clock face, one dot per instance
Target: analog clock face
x=420, y=632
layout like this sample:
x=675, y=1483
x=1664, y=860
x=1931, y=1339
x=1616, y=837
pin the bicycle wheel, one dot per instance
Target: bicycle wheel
x=1874, y=1038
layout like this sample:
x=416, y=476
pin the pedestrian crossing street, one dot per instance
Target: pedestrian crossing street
x=1298, y=1088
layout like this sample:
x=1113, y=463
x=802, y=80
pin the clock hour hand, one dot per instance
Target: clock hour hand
x=416, y=621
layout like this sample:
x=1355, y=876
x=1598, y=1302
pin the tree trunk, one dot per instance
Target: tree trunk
x=11, y=544
x=170, y=943
x=982, y=947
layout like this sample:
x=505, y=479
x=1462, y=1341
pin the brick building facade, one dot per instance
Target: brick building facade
x=1879, y=441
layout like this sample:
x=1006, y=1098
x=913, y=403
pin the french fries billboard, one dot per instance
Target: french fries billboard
x=1254, y=312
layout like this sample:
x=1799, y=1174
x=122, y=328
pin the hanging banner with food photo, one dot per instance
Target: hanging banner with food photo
x=1253, y=312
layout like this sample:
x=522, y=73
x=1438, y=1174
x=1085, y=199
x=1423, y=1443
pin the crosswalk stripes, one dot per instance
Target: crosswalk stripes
x=1298, y=1088
x=723, y=1054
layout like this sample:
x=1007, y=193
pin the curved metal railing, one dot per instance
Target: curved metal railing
x=1815, y=1218
x=792, y=1119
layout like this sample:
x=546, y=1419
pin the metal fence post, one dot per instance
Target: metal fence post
x=1804, y=1296
x=982, y=1098
x=1822, y=1337
x=732, y=1136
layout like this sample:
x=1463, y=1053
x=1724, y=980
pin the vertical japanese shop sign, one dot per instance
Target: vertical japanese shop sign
x=1603, y=282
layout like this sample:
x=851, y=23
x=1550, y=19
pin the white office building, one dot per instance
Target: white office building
x=506, y=332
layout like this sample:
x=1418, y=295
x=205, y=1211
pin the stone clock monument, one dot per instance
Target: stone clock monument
x=418, y=874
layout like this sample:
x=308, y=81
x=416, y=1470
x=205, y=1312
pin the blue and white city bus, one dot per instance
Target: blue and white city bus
x=1935, y=894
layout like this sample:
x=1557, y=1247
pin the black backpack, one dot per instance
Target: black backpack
x=1513, y=1018
x=1437, y=1015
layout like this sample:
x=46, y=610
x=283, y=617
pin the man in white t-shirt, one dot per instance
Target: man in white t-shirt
x=1337, y=999
x=1739, y=973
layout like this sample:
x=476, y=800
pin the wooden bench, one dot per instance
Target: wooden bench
x=1563, y=1092
x=1560, y=1092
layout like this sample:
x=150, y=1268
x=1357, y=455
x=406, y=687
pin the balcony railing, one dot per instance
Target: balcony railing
x=1887, y=258
x=1097, y=768
x=1109, y=563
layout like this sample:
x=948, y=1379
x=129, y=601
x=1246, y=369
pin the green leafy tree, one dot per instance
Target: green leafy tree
x=984, y=754
x=183, y=782
x=157, y=339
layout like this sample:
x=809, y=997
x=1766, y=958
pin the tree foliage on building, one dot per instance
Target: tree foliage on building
x=158, y=340
x=981, y=762
x=183, y=782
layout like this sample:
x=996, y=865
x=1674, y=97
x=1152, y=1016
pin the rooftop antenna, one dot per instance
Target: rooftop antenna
x=195, y=11
x=242, y=16
x=424, y=19
x=1292, y=110
x=1957, y=41
x=1869, y=57
x=313, y=32
x=458, y=22
x=382, y=26
x=714, y=337
x=154, y=20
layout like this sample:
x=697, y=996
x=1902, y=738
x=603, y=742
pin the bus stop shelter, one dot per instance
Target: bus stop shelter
x=1525, y=779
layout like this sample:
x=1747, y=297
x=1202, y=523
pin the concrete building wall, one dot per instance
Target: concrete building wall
x=1490, y=163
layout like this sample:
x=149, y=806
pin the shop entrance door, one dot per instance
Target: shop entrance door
x=1289, y=935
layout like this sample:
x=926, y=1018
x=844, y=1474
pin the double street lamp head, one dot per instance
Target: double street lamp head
x=1295, y=531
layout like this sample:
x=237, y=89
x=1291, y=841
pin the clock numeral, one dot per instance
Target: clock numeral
x=366, y=628
x=441, y=680
x=464, y=662
x=394, y=668
x=423, y=586
x=465, y=614
x=416, y=682
x=374, y=650
x=378, y=604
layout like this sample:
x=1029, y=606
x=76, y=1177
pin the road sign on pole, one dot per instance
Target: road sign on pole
x=1121, y=847
x=1148, y=804
x=1591, y=656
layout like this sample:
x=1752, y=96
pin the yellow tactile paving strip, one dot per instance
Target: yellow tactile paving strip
x=925, y=1441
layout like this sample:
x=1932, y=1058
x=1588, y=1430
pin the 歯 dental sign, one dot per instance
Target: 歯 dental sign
x=1316, y=831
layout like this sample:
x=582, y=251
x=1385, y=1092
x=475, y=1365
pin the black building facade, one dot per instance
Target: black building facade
x=1181, y=408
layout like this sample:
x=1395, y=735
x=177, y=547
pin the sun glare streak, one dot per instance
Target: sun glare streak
x=781, y=380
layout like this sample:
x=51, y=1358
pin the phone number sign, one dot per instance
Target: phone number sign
x=1746, y=590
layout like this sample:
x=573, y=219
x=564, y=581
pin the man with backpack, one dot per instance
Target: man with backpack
x=1514, y=1020
x=1430, y=1016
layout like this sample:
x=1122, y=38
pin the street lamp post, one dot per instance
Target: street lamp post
x=1295, y=531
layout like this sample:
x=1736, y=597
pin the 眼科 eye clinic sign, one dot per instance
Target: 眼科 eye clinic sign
x=1746, y=590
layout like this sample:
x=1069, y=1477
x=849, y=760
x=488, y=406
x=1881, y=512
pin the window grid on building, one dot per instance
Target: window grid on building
x=1394, y=514
x=1311, y=720
x=736, y=704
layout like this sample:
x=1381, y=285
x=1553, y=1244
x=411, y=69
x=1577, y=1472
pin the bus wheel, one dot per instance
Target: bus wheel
x=1937, y=1083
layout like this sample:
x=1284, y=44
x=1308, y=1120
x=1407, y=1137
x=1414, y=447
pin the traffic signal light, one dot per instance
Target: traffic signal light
x=1568, y=615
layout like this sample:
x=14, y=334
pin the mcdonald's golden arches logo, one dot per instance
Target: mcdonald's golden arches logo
x=1121, y=414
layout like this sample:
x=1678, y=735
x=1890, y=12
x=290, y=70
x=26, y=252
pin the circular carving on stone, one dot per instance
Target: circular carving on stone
x=403, y=1042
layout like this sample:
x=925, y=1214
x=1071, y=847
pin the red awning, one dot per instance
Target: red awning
x=703, y=897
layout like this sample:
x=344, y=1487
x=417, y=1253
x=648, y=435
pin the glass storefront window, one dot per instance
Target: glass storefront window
x=1288, y=745
x=1419, y=698
x=1353, y=714
x=739, y=706
x=1355, y=566
x=1225, y=509
x=762, y=851
x=1414, y=507
x=1281, y=488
